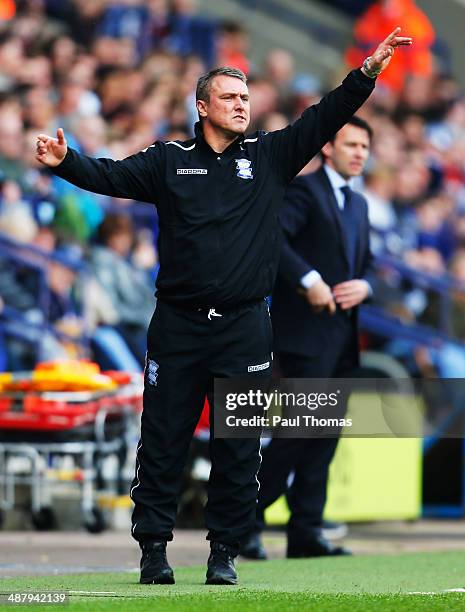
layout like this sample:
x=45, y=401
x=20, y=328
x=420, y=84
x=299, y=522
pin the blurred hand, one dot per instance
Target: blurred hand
x=51, y=151
x=382, y=56
x=71, y=325
x=351, y=293
x=319, y=297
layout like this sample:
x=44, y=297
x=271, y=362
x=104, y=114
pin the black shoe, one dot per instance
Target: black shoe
x=154, y=567
x=314, y=546
x=252, y=548
x=221, y=568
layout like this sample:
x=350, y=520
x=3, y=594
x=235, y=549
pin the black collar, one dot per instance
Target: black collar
x=230, y=149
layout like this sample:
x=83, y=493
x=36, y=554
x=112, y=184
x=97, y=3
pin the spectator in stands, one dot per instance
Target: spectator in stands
x=279, y=72
x=7, y=10
x=38, y=108
x=79, y=306
x=63, y=303
x=446, y=359
x=274, y=121
x=233, y=45
x=11, y=141
x=413, y=180
x=279, y=68
x=11, y=60
x=14, y=210
x=159, y=25
x=379, y=191
x=380, y=18
x=34, y=27
x=433, y=230
x=426, y=259
x=191, y=34
x=265, y=97
x=63, y=55
x=125, y=284
x=127, y=19
x=305, y=90
x=91, y=133
x=64, y=310
x=144, y=254
x=13, y=291
x=80, y=17
x=75, y=101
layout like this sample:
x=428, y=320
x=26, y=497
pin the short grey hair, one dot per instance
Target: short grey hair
x=205, y=81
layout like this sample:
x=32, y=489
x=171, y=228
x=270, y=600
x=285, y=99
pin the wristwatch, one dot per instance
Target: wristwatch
x=370, y=72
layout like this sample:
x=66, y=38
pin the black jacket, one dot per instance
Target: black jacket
x=314, y=239
x=219, y=237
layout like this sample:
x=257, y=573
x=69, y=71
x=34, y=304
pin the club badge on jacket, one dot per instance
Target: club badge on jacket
x=243, y=167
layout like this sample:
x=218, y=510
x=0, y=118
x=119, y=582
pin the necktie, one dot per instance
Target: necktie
x=348, y=193
x=350, y=228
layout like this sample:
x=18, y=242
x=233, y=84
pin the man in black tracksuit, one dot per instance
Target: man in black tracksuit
x=217, y=197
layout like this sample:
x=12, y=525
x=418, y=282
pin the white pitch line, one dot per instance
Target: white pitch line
x=92, y=593
x=458, y=590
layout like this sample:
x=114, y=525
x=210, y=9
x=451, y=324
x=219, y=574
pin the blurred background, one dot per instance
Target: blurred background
x=77, y=270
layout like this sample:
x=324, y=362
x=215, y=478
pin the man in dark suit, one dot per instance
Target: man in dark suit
x=321, y=281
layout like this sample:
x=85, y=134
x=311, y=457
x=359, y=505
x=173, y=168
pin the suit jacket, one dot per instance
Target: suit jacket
x=313, y=237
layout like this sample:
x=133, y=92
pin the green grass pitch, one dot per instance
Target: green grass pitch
x=360, y=583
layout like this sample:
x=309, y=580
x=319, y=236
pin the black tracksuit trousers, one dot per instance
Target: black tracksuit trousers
x=187, y=349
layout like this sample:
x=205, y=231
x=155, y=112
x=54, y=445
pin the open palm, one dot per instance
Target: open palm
x=51, y=151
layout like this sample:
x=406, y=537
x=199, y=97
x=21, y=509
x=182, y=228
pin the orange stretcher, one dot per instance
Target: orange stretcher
x=59, y=410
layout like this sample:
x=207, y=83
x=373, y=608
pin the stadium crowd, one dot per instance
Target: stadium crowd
x=119, y=75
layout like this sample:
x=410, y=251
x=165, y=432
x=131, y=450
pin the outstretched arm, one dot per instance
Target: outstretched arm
x=136, y=177
x=292, y=148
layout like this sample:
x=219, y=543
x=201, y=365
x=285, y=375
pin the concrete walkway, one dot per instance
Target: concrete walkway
x=35, y=553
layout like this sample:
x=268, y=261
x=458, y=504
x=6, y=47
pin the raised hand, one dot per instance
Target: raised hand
x=51, y=151
x=380, y=59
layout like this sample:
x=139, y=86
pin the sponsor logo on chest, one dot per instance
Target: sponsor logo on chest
x=191, y=171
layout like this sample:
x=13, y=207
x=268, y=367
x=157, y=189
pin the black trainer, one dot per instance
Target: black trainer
x=154, y=566
x=252, y=548
x=221, y=568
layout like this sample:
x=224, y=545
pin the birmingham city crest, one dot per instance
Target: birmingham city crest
x=151, y=371
x=244, y=169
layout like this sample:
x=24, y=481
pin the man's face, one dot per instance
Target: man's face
x=349, y=151
x=228, y=108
